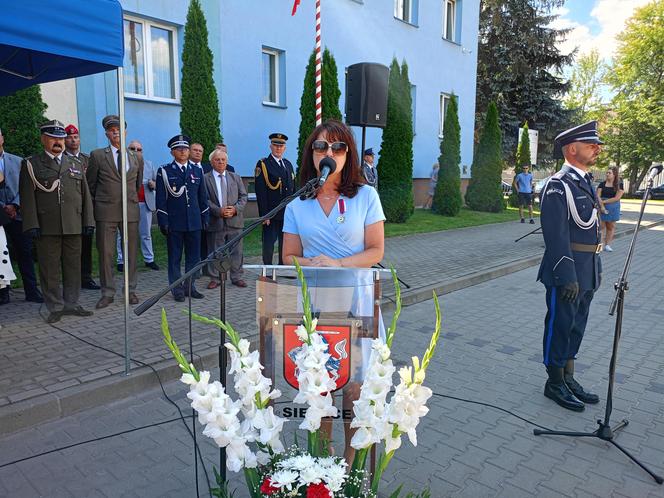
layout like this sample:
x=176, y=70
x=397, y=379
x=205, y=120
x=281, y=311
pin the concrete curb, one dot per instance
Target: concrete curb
x=44, y=408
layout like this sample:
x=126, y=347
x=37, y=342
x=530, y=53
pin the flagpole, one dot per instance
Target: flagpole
x=319, y=69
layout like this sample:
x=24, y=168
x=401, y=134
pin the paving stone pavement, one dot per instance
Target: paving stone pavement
x=490, y=351
x=52, y=362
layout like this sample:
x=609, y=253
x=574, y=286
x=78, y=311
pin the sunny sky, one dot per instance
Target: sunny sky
x=595, y=23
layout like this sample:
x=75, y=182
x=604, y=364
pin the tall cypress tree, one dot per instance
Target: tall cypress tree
x=395, y=168
x=21, y=114
x=522, y=158
x=447, y=198
x=331, y=94
x=484, y=191
x=199, y=116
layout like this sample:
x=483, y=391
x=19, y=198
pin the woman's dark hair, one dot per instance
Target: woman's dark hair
x=616, y=177
x=351, y=176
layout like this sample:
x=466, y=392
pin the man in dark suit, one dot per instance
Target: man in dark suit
x=19, y=243
x=571, y=269
x=182, y=212
x=57, y=209
x=105, y=180
x=274, y=178
x=227, y=198
x=73, y=148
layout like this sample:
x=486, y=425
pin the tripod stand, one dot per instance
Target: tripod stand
x=605, y=432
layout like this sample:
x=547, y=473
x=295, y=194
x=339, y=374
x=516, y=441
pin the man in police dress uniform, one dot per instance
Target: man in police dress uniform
x=73, y=148
x=571, y=267
x=274, y=180
x=368, y=169
x=57, y=208
x=182, y=212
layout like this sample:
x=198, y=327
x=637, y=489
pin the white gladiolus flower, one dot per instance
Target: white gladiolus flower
x=302, y=333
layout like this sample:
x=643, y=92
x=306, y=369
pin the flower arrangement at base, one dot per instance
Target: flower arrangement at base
x=250, y=431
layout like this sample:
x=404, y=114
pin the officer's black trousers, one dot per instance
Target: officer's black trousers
x=190, y=242
x=564, y=325
x=86, y=258
x=272, y=233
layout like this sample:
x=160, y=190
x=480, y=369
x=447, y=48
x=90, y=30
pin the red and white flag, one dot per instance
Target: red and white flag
x=295, y=5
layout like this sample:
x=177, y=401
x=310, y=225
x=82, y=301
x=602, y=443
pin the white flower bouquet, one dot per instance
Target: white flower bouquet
x=251, y=432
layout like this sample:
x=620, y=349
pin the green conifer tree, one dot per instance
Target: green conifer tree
x=521, y=159
x=395, y=167
x=199, y=116
x=447, y=198
x=330, y=103
x=484, y=191
x=21, y=115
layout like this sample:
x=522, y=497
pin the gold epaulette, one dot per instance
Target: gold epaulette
x=277, y=186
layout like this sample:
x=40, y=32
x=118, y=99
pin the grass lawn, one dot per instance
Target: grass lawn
x=422, y=221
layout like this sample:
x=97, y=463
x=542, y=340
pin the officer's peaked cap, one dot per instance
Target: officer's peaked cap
x=586, y=132
x=53, y=128
x=279, y=138
x=179, y=141
x=369, y=152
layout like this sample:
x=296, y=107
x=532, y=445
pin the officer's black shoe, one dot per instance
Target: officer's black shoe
x=195, y=294
x=90, y=285
x=577, y=388
x=152, y=265
x=120, y=267
x=556, y=389
x=178, y=297
x=4, y=296
x=35, y=296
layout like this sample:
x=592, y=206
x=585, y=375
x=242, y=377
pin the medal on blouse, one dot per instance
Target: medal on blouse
x=342, y=211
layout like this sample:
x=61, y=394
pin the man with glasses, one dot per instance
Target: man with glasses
x=146, y=206
x=523, y=183
x=571, y=269
x=274, y=178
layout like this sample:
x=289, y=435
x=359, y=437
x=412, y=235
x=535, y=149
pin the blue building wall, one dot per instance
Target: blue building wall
x=354, y=31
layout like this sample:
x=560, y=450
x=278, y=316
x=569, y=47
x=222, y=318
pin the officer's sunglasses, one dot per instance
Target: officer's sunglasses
x=321, y=147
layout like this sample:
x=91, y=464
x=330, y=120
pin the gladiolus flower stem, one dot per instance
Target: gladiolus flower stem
x=383, y=462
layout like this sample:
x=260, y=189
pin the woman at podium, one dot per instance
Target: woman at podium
x=342, y=225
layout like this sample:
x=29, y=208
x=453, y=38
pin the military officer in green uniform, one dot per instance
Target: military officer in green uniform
x=274, y=179
x=57, y=209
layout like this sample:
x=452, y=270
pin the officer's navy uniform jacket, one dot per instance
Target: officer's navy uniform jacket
x=569, y=216
x=182, y=208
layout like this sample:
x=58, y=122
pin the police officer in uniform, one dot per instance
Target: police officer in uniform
x=274, y=180
x=368, y=169
x=182, y=212
x=57, y=208
x=73, y=148
x=571, y=267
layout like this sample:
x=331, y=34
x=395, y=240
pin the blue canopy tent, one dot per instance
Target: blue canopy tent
x=41, y=42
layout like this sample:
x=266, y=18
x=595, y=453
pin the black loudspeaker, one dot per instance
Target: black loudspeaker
x=366, y=94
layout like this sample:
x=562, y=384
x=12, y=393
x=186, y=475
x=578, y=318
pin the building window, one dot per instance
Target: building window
x=274, y=77
x=150, y=67
x=449, y=19
x=406, y=10
x=444, y=103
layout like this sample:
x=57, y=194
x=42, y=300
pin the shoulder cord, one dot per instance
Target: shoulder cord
x=267, y=180
x=571, y=206
x=37, y=185
x=174, y=193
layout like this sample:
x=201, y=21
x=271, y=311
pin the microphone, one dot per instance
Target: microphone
x=327, y=166
x=654, y=171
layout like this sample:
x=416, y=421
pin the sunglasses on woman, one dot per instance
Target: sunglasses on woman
x=321, y=147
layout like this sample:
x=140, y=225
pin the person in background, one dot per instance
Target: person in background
x=19, y=243
x=73, y=148
x=227, y=198
x=57, y=208
x=368, y=169
x=6, y=270
x=609, y=193
x=146, y=207
x=182, y=212
x=523, y=183
x=433, y=181
x=341, y=226
x=223, y=147
x=274, y=179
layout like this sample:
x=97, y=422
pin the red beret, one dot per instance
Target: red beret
x=71, y=130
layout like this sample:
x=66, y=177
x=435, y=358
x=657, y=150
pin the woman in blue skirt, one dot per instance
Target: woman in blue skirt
x=609, y=192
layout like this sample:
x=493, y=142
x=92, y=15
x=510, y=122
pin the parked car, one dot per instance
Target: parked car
x=539, y=185
x=656, y=193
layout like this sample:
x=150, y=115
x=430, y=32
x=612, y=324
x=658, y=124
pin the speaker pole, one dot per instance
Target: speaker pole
x=364, y=138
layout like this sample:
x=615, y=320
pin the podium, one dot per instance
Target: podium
x=346, y=303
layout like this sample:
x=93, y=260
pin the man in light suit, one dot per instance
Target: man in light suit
x=10, y=202
x=146, y=206
x=227, y=198
x=105, y=180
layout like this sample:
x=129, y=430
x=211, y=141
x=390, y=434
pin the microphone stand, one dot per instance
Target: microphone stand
x=605, y=432
x=221, y=258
